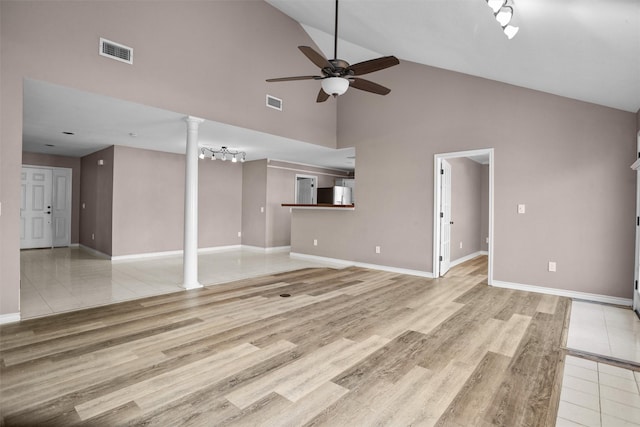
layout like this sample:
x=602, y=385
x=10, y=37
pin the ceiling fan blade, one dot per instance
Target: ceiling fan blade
x=286, y=79
x=368, y=86
x=322, y=96
x=315, y=57
x=372, y=65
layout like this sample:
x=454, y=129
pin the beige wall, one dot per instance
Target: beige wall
x=281, y=184
x=466, y=207
x=96, y=194
x=567, y=160
x=219, y=203
x=254, y=202
x=180, y=51
x=148, y=202
x=72, y=163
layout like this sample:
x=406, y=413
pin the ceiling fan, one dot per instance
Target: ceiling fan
x=338, y=75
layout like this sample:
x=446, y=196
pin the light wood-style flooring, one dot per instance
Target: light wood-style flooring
x=349, y=347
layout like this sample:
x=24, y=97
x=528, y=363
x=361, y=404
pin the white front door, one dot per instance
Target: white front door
x=445, y=217
x=35, y=209
x=45, y=211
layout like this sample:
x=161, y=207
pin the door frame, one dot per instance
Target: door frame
x=636, y=269
x=315, y=187
x=437, y=161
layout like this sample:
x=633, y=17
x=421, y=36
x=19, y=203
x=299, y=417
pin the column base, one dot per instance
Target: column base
x=194, y=285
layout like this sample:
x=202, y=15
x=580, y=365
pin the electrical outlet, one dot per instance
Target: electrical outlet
x=84, y=206
x=239, y=233
x=460, y=245
x=521, y=209
x=377, y=249
x=261, y=209
x=315, y=242
x=486, y=240
x=552, y=266
x=93, y=236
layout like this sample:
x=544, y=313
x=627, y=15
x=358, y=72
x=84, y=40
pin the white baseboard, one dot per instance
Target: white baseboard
x=344, y=263
x=564, y=293
x=94, y=251
x=215, y=249
x=9, y=318
x=271, y=250
x=74, y=245
x=466, y=258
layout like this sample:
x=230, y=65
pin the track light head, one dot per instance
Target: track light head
x=510, y=31
x=504, y=15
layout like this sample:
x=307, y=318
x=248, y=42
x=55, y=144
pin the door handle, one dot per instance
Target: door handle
x=451, y=222
x=48, y=212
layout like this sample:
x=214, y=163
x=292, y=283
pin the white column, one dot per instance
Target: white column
x=190, y=267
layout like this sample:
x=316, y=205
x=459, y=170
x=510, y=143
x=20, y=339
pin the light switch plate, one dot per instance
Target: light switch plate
x=521, y=209
x=552, y=266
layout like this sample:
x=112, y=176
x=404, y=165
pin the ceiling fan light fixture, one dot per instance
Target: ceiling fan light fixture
x=335, y=86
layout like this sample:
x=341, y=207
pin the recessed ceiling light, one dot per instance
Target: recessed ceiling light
x=68, y=133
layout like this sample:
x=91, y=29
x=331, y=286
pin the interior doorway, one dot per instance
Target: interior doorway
x=306, y=189
x=442, y=217
x=45, y=208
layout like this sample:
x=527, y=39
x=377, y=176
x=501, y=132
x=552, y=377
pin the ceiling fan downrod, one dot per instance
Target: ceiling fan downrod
x=335, y=38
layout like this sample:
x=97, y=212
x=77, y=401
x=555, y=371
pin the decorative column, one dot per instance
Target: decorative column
x=190, y=267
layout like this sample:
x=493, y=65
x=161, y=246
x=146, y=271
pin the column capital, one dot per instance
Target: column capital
x=193, y=119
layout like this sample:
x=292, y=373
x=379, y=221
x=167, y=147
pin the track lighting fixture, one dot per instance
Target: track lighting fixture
x=222, y=154
x=503, y=12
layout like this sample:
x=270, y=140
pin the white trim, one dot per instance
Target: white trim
x=74, y=245
x=94, y=251
x=467, y=258
x=564, y=293
x=9, y=318
x=270, y=250
x=214, y=249
x=345, y=263
x=436, y=205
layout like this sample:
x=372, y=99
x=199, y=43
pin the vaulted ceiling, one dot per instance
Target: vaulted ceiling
x=582, y=49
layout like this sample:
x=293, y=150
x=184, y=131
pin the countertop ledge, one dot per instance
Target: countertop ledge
x=319, y=206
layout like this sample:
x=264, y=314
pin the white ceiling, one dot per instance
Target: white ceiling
x=99, y=122
x=582, y=49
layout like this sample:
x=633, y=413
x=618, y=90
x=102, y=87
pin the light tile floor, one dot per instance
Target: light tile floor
x=594, y=393
x=605, y=330
x=65, y=279
x=598, y=395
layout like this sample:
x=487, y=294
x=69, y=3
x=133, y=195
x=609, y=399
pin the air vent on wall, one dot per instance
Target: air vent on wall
x=274, y=102
x=116, y=51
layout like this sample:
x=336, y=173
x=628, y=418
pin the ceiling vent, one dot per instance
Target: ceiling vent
x=116, y=51
x=273, y=102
